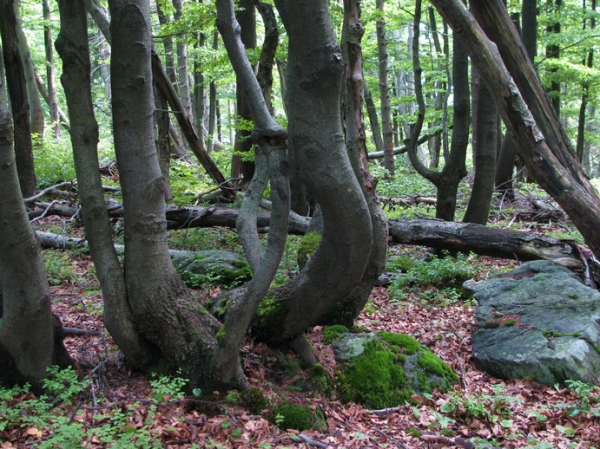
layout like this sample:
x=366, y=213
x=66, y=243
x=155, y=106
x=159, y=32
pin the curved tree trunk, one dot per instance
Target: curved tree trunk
x=29, y=341
x=314, y=77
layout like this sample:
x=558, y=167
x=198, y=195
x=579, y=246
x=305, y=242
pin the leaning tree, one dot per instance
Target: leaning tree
x=496, y=49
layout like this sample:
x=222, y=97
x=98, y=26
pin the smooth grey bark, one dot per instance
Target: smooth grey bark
x=64, y=121
x=272, y=166
x=165, y=314
x=36, y=112
x=268, y=52
x=73, y=48
x=29, y=341
x=508, y=150
x=581, y=128
x=183, y=72
x=19, y=103
x=542, y=143
x=246, y=18
x=446, y=181
x=373, y=119
x=553, y=50
x=314, y=78
x=50, y=73
x=485, y=149
x=3, y=93
x=384, y=93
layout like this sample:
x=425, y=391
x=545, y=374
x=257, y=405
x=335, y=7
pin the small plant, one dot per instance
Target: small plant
x=58, y=267
x=589, y=398
x=168, y=388
x=494, y=408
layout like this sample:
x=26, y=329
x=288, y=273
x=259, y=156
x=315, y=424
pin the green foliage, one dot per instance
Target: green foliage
x=186, y=182
x=332, y=333
x=52, y=427
x=58, y=267
x=287, y=415
x=589, y=399
x=168, y=388
x=494, y=407
x=446, y=274
x=53, y=160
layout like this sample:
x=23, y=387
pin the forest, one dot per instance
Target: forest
x=200, y=200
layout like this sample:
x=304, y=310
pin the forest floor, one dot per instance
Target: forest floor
x=122, y=408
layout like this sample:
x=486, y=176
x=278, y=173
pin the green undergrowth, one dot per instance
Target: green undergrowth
x=434, y=280
x=287, y=415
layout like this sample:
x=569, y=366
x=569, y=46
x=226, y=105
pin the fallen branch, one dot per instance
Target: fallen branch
x=31, y=199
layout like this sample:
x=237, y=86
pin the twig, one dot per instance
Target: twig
x=383, y=411
x=52, y=203
x=31, y=199
x=312, y=442
x=396, y=442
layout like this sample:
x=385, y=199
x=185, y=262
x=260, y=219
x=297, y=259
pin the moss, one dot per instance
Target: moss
x=510, y=323
x=332, y=333
x=415, y=433
x=221, y=335
x=434, y=365
x=401, y=342
x=375, y=378
x=254, y=400
x=271, y=313
x=320, y=378
x=307, y=247
x=287, y=415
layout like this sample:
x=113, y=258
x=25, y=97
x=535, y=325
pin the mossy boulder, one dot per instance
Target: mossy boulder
x=385, y=369
x=307, y=247
x=202, y=268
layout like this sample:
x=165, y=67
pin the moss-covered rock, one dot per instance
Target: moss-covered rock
x=307, y=247
x=387, y=369
x=203, y=268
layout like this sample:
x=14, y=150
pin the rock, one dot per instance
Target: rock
x=212, y=266
x=538, y=321
x=386, y=369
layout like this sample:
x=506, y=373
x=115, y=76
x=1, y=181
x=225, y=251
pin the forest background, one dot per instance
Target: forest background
x=396, y=95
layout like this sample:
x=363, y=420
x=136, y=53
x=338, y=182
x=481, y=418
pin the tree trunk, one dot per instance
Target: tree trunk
x=72, y=45
x=384, y=94
x=15, y=78
x=3, y=93
x=485, y=149
x=165, y=314
x=53, y=103
x=36, y=111
x=246, y=16
x=183, y=72
x=373, y=120
x=553, y=51
x=447, y=180
x=29, y=340
x=542, y=144
x=336, y=269
x=508, y=151
x=352, y=33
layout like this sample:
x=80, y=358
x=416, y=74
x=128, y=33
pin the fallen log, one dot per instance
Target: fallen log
x=185, y=217
x=487, y=241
